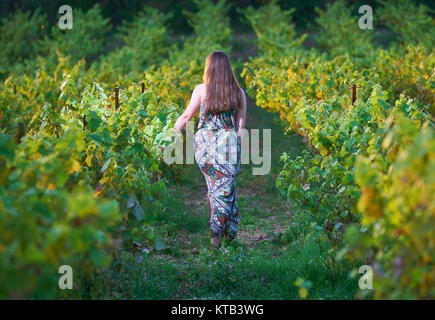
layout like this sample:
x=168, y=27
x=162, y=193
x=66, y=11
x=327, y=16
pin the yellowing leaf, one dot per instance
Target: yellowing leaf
x=303, y=292
x=299, y=282
x=51, y=186
x=75, y=167
x=89, y=160
x=97, y=193
x=104, y=180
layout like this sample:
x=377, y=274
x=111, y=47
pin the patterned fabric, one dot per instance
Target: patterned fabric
x=217, y=152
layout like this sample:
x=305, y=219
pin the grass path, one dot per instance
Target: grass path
x=274, y=246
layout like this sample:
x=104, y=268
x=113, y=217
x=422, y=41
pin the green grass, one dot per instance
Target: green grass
x=277, y=244
x=264, y=272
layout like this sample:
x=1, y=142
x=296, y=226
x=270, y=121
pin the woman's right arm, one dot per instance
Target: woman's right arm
x=241, y=114
x=191, y=109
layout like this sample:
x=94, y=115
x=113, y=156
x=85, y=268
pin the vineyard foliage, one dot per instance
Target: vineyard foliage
x=412, y=24
x=88, y=39
x=397, y=184
x=275, y=36
x=19, y=44
x=340, y=35
x=145, y=43
x=366, y=170
x=78, y=177
x=408, y=65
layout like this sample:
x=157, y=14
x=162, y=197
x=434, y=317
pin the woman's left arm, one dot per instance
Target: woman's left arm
x=191, y=109
x=241, y=114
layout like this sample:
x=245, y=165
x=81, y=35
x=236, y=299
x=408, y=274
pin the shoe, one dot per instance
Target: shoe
x=215, y=242
x=227, y=234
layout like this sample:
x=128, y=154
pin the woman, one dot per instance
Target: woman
x=222, y=105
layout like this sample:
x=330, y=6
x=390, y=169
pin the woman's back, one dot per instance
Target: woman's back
x=217, y=121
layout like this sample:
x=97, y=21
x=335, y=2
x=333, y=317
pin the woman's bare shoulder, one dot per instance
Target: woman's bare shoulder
x=200, y=86
x=243, y=93
x=200, y=89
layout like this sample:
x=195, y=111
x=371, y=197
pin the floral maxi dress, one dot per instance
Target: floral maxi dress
x=217, y=153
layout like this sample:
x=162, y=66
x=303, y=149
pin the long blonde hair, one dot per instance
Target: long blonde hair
x=222, y=89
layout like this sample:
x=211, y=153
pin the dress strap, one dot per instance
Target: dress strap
x=201, y=115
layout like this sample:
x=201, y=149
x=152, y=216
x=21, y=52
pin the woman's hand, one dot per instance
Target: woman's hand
x=181, y=122
x=241, y=113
